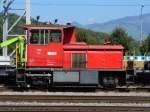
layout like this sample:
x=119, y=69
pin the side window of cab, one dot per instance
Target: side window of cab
x=55, y=36
x=39, y=36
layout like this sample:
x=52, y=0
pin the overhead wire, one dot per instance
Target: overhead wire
x=83, y=4
x=99, y=3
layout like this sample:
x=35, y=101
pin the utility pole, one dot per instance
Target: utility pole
x=28, y=11
x=28, y=18
x=6, y=5
x=141, y=24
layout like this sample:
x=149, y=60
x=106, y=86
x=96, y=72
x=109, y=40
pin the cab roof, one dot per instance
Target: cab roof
x=29, y=27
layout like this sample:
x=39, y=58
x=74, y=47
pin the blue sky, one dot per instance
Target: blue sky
x=83, y=11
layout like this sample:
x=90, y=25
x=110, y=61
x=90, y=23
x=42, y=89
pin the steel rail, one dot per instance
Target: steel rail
x=74, y=99
x=73, y=109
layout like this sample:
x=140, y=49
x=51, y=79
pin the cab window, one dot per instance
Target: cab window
x=39, y=36
x=55, y=36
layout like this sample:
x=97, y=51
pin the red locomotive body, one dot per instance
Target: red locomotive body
x=53, y=50
x=100, y=57
x=49, y=55
x=62, y=53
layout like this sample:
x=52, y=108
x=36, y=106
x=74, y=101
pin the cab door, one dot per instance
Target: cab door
x=45, y=48
x=55, y=50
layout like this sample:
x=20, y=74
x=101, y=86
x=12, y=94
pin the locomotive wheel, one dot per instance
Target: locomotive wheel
x=110, y=82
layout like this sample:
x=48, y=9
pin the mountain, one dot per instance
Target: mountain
x=77, y=24
x=131, y=24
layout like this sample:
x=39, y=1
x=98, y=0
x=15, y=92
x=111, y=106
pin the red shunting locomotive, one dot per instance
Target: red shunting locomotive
x=55, y=58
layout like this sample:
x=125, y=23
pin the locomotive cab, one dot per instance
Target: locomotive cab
x=45, y=45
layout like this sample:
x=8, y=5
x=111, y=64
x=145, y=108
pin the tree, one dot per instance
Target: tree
x=1, y=39
x=90, y=37
x=1, y=33
x=81, y=35
x=120, y=36
x=1, y=26
x=145, y=47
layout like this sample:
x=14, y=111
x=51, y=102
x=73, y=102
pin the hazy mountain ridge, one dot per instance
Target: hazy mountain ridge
x=130, y=23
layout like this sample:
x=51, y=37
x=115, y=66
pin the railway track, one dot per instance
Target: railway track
x=74, y=99
x=73, y=103
x=73, y=109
